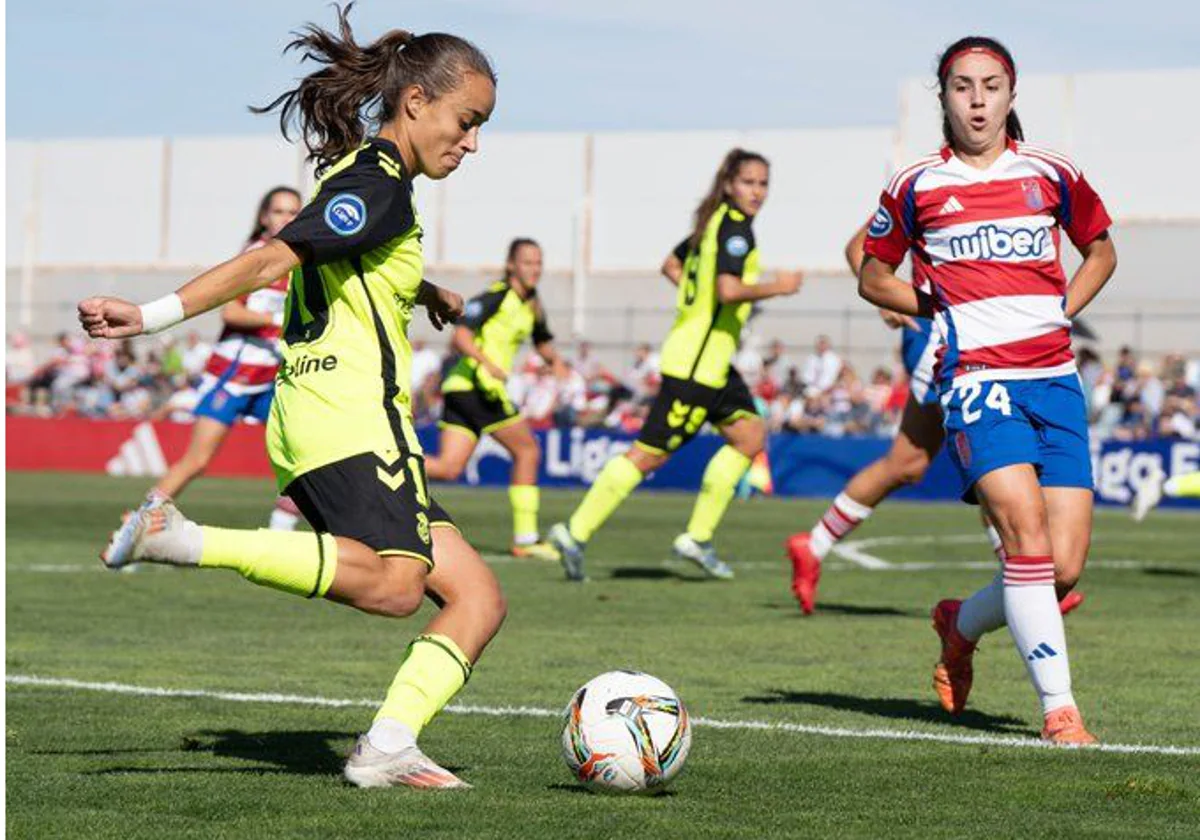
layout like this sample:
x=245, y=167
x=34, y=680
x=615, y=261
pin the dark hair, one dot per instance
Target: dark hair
x=517, y=244
x=726, y=172
x=360, y=86
x=263, y=206
x=1012, y=125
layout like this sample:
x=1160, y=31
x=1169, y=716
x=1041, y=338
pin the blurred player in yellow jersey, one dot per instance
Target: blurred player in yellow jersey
x=340, y=435
x=494, y=326
x=1150, y=493
x=717, y=271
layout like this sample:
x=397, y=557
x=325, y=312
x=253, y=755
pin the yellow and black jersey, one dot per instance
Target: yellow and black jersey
x=343, y=387
x=501, y=320
x=704, y=338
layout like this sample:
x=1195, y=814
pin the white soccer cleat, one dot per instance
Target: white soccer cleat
x=1148, y=495
x=703, y=555
x=154, y=533
x=368, y=767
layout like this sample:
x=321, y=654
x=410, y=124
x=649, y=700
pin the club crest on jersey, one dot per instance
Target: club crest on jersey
x=1032, y=190
x=346, y=214
x=881, y=224
x=737, y=246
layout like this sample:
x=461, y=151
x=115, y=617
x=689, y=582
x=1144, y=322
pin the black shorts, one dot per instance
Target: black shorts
x=682, y=407
x=476, y=412
x=385, y=507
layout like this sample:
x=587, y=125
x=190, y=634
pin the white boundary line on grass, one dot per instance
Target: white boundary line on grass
x=27, y=680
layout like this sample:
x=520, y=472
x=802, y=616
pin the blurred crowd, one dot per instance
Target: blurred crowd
x=812, y=391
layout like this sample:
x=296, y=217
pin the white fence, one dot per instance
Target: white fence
x=86, y=215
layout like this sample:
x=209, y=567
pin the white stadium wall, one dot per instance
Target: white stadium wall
x=137, y=216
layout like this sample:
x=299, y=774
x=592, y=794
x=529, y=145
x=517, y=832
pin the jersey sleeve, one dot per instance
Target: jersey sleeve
x=541, y=330
x=735, y=240
x=1081, y=212
x=356, y=210
x=887, y=238
x=681, y=250
x=481, y=307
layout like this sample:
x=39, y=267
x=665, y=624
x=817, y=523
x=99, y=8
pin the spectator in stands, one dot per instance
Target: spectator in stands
x=1150, y=390
x=1123, y=375
x=52, y=385
x=643, y=378
x=19, y=367
x=426, y=381
x=195, y=356
x=821, y=369
x=806, y=415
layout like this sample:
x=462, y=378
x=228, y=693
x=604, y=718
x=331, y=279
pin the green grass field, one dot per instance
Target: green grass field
x=83, y=760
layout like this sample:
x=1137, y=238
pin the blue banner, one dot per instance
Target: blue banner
x=808, y=465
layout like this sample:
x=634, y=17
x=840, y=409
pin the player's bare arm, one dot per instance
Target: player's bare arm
x=1099, y=263
x=672, y=269
x=879, y=284
x=110, y=317
x=731, y=289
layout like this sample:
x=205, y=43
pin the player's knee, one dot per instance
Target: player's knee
x=396, y=603
x=909, y=469
x=528, y=454
x=752, y=443
x=447, y=470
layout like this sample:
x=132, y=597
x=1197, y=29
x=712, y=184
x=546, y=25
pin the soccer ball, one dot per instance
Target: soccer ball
x=626, y=732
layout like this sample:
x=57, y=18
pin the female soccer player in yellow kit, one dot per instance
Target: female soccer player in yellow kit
x=716, y=270
x=340, y=435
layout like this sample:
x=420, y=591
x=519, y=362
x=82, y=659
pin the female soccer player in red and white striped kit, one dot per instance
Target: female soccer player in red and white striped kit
x=984, y=218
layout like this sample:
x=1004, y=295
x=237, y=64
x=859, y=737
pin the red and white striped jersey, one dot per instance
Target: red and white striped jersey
x=988, y=241
x=245, y=361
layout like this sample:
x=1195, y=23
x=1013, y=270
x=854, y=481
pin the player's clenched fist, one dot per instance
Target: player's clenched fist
x=109, y=317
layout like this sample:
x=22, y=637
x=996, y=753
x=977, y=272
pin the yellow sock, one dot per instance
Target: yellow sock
x=616, y=481
x=433, y=670
x=300, y=563
x=1185, y=486
x=525, y=499
x=721, y=478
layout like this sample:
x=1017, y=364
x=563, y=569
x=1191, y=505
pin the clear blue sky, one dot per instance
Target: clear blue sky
x=79, y=68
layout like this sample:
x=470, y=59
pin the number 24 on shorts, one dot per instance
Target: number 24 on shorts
x=996, y=399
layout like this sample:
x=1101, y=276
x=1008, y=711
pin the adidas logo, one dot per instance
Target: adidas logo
x=1042, y=651
x=952, y=205
x=140, y=455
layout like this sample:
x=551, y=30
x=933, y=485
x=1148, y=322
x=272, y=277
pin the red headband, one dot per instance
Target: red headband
x=1004, y=62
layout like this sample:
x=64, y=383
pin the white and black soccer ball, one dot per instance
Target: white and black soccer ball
x=626, y=732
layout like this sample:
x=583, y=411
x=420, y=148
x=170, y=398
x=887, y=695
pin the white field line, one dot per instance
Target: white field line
x=499, y=559
x=29, y=681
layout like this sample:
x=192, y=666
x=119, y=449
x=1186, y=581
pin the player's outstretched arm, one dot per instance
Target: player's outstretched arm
x=109, y=317
x=731, y=289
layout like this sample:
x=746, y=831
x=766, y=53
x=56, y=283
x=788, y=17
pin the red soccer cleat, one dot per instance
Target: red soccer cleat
x=1069, y=602
x=806, y=571
x=954, y=672
x=1065, y=726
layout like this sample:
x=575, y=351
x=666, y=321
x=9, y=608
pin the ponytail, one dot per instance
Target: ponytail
x=360, y=87
x=726, y=172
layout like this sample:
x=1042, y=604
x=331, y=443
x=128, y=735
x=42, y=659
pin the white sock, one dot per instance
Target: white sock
x=390, y=735
x=983, y=612
x=1031, y=608
x=843, y=516
x=281, y=520
x=997, y=543
x=525, y=539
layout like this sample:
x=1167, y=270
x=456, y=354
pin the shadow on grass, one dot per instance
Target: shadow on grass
x=863, y=610
x=307, y=753
x=1165, y=571
x=655, y=573
x=893, y=708
x=566, y=787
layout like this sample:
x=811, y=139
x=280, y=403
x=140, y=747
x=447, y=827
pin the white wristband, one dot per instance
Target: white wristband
x=158, y=315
